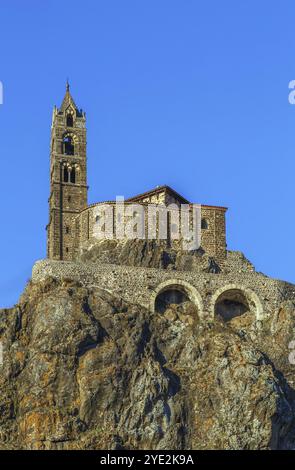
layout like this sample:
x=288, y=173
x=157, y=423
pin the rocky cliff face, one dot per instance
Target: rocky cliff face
x=85, y=370
x=145, y=253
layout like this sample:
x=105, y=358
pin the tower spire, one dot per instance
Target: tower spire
x=68, y=99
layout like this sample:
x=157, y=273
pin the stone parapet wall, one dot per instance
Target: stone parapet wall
x=140, y=285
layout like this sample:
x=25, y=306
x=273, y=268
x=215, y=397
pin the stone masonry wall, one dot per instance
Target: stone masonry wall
x=213, y=238
x=141, y=285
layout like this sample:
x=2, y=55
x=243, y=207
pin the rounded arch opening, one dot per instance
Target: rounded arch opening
x=231, y=304
x=69, y=143
x=177, y=295
x=173, y=295
x=233, y=301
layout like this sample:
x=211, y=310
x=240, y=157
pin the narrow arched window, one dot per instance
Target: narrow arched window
x=70, y=121
x=204, y=224
x=73, y=175
x=66, y=174
x=68, y=146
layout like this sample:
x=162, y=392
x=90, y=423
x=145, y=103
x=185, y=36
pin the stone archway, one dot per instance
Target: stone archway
x=233, y=300
x=179, y=291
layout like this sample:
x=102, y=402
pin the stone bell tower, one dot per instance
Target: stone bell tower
x=68, y=177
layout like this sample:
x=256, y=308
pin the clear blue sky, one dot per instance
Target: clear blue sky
x=188, y=93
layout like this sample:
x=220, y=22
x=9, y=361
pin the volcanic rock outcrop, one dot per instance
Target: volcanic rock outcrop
x=84, y=368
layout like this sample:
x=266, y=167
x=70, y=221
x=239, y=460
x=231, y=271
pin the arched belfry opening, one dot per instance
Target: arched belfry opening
x=68, y=146
x=70, y=120
x=73, y=175
x=66, y=174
